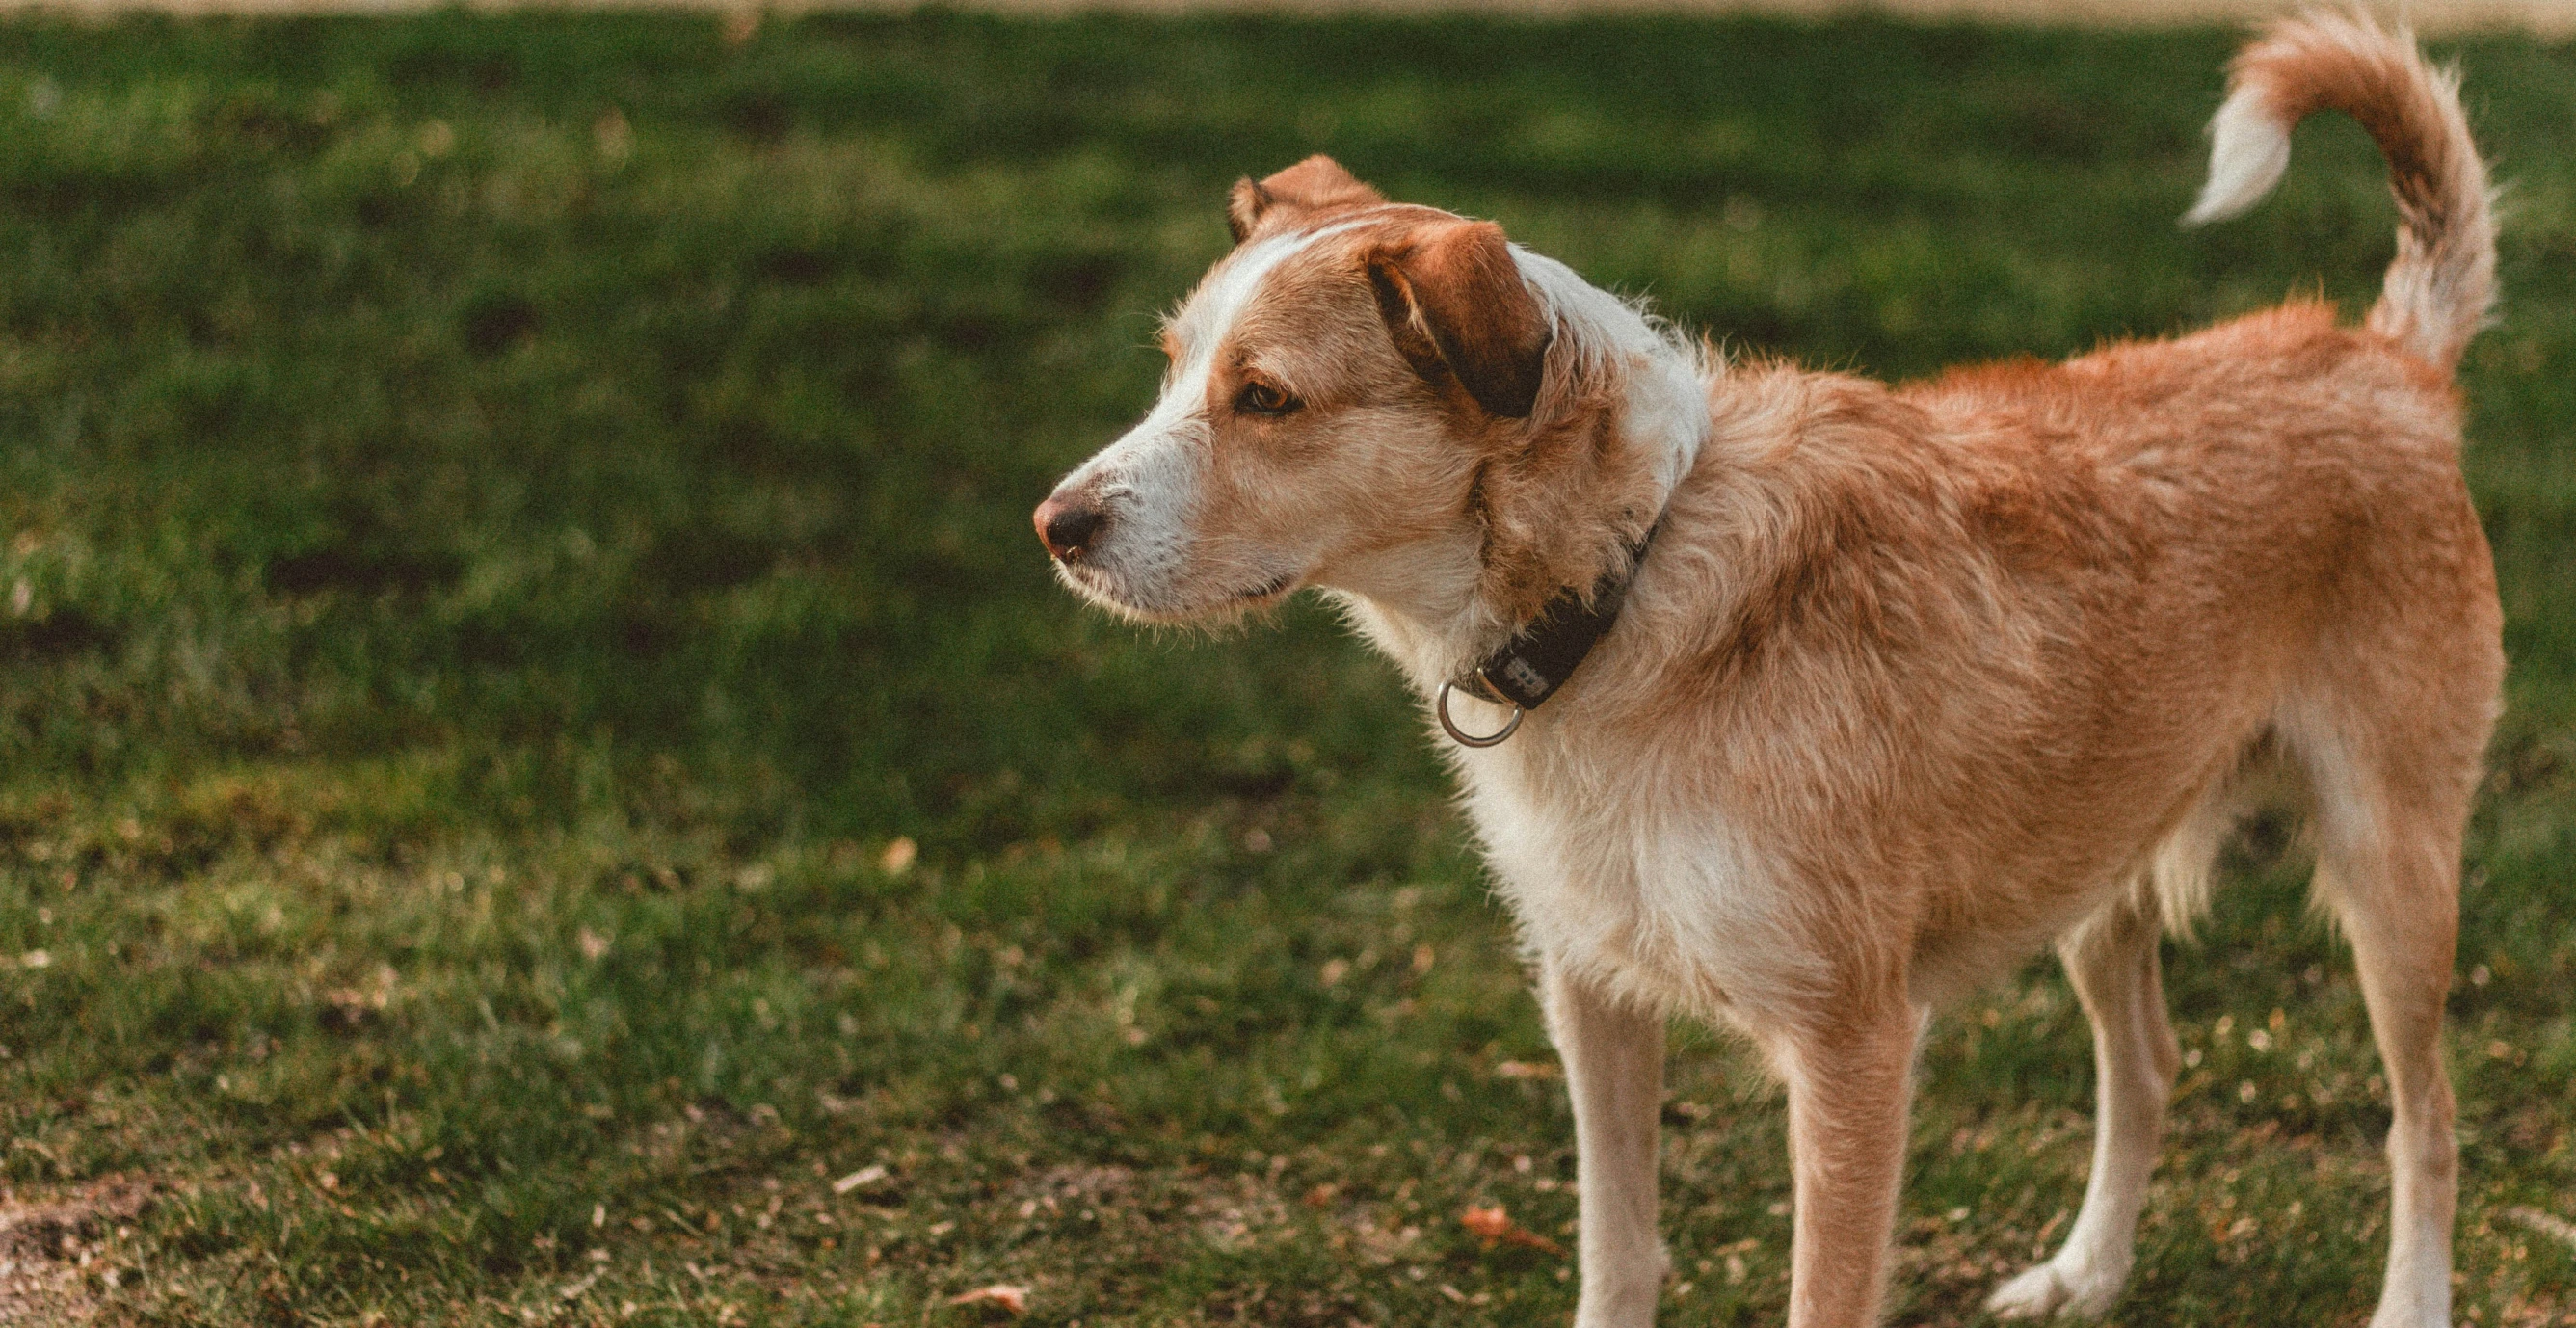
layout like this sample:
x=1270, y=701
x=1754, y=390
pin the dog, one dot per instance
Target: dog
x=1802, y=703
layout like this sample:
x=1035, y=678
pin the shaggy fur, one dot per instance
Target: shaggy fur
x=1914, y=680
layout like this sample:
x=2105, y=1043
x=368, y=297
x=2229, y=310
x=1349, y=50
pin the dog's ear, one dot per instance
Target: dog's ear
x=1243, y=207
x=1455, y=303
x=1312, y=185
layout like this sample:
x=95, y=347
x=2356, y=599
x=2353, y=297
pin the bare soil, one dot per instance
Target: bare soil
x=55, y=1251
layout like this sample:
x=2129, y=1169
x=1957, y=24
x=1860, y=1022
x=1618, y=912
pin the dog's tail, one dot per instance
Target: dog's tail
x=2442, y=284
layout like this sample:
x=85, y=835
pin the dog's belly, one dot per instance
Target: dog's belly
x=1668, y=907
x=1676, y=905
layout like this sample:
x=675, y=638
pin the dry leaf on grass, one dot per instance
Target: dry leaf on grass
x=1495, y=1224
x=1524, y=1070
x=867, y=1175
x=1011, y=1299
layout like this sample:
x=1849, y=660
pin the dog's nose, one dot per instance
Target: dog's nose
x=1068, y=525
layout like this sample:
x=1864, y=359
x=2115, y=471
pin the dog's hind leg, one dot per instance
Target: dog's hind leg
x=1614, y=1071
x=2389, y=865
x=2402, y=945
x=2112, y=961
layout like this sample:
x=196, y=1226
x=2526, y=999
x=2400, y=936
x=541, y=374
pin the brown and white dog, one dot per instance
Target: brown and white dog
x=1910, y=681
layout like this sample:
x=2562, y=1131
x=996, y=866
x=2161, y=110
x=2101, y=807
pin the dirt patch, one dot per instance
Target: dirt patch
x=57, y=1253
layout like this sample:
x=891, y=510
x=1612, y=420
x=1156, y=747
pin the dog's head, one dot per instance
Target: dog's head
x=1366, y=396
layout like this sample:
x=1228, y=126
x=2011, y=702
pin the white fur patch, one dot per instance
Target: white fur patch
x=1666, y=409
x=1655, y=900
x=2249, y=149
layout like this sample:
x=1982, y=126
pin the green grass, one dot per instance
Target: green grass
x=534, y=734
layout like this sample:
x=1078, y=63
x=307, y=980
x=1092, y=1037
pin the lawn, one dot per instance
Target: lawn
x=543, y=777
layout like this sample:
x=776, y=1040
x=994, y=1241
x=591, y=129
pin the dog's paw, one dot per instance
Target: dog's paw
x=2396, y=1313
x=2035, y=1294
x=2045, y=1290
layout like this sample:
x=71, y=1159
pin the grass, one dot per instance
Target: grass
x=534, y=735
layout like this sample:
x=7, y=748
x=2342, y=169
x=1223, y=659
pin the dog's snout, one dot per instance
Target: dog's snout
x=1067, y=525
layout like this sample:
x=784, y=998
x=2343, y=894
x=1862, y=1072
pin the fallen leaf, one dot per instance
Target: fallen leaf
x=867, y=1175
x=899, y=856
x=1524, y=1070
x=1012, y=1299
x=615, y=137
x=1495, y=1224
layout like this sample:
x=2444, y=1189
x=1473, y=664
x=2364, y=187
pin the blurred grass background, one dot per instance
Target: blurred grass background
x=534, y=735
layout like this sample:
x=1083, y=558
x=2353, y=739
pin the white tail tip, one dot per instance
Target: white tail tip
x=2249, y=149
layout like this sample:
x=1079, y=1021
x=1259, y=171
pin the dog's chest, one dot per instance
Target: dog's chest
x=1644, y=893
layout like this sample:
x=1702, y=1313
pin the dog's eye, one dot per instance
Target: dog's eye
x=1259, y=398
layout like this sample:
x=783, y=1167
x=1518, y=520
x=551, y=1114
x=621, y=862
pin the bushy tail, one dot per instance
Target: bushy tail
x=2442, y=284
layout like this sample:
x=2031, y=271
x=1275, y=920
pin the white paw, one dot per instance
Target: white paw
x=2045, y=1290
x=2409, y=1316
x=2417, y=1294
x=1622, y=1291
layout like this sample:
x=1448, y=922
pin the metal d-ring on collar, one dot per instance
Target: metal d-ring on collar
x=1527, y=669
x=1464, y=738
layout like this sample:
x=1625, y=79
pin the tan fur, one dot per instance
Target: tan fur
x=1913, y=680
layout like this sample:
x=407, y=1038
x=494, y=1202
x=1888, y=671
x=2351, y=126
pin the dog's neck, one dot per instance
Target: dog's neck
x=1438, y=605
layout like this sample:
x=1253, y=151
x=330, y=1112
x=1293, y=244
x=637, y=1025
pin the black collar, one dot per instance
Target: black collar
x=1527, y=669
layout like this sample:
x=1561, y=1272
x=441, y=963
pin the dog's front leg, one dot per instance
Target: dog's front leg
x=1849, y=1080
x=1614, y=1069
